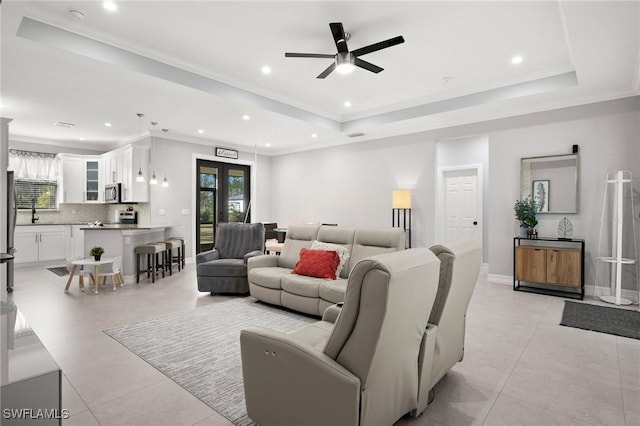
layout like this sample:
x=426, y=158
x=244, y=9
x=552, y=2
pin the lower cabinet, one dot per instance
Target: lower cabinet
x=40, y=243
x=556, y=269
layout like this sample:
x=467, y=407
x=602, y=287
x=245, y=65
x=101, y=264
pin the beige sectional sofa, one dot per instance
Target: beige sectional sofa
x=271, y=279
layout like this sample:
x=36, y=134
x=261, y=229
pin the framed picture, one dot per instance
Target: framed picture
x=540, y=190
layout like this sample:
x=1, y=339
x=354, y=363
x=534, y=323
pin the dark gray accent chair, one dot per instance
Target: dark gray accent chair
x=224, y=269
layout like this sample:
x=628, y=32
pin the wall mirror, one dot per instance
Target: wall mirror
x=552, y=181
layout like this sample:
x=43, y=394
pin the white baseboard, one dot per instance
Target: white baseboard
x=500, y=279
x=589, y=290
x=602, y=291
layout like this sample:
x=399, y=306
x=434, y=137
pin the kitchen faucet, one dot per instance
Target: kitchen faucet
x=34, y=218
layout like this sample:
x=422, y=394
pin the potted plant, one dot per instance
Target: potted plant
x=526, y=214
x=96, y=252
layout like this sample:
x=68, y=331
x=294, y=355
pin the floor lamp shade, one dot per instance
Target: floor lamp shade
x=401, y=212
x=401, y=199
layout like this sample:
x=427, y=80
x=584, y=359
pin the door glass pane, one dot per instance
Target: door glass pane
x=206, y=216
x=208, y=177
x=236, y=204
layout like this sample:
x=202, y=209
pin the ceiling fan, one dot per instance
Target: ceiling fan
x=345, y=60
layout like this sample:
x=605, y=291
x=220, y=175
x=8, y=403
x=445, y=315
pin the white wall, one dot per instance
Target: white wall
x=176, y=159
x=352, y=184
x=608, y=137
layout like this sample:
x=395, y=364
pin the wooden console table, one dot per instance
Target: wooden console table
x=549, y=266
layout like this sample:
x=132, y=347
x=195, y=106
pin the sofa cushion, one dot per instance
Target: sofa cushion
x=298, y=236
x=269, y=277
x=302, y=285
x=343, y=253
x=317, y=263
x=333, y=291
x=223, y=268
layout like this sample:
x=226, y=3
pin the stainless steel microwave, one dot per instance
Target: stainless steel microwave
x=113, y=193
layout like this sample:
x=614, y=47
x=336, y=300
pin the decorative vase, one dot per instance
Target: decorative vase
x=532, y=233
x=97, y=257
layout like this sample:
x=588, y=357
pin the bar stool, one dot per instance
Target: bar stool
x=182, y=254
x=153, y=252
x=170, y=259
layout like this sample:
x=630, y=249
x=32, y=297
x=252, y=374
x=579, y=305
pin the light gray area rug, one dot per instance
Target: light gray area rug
x=200, y=349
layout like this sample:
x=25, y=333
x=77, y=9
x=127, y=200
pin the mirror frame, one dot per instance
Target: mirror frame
x=523, y=190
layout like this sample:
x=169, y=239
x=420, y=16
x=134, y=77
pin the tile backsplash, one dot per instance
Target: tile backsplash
x=82, y=213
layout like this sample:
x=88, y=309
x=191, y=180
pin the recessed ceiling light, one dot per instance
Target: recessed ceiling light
x=267, y=145
x=266, y=69
x=516, y=60
x=200, y=131
x=314, y=135
x=81, y=139
x=246, y=117
x=107, y=124
x=110, y=6
x=76, y=14
x=347, y=104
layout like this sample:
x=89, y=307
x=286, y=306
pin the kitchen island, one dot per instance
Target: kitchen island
x=121, y=240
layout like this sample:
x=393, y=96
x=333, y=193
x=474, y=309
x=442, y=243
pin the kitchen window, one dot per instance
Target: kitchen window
x=36, y=177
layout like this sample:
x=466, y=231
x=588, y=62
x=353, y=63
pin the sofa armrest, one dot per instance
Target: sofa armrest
x=251, y=254
x=206, y=256
x=425, y=367
x=288, y=382
x=263, y=261
x=332, y=312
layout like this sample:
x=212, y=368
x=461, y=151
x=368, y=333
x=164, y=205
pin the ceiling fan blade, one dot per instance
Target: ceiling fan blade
x=337, y=30
x=328, y=71
x=367, y=65
x=378, y=46
x=308, y=55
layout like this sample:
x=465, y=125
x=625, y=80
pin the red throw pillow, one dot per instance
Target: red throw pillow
x=317, y=263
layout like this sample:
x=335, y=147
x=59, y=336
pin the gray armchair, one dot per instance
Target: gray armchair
x=366, y=372
x=224, y=269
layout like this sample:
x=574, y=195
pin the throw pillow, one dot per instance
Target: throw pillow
x=342, y=251
x=317, y=263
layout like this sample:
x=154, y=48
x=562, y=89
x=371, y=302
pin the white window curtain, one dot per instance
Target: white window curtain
x=36, y=178
x=34, y=165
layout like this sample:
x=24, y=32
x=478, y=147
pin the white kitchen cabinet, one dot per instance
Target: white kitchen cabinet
x=82, y=179
x=40, y=243
x=72, y=179
x=122, y=165
x=75, y=241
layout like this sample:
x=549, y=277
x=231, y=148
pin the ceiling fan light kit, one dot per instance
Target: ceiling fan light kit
x=344, y=60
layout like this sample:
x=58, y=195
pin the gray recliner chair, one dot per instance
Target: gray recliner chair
x=443, y=341
x=224, y=269
x=366, y=373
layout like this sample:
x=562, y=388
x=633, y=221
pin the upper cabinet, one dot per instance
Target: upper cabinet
x=84, y=176
x=82, y=179
x=122, y=165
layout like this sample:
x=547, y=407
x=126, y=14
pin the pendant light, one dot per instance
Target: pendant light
x=140, y=176
x=153, y=180
x=165, y=182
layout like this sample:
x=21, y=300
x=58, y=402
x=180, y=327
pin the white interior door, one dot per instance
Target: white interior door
x=462, y=206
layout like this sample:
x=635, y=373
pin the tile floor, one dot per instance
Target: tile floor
x=520, y=366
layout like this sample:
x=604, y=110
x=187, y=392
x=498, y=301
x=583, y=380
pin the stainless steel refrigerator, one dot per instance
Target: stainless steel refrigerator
x=12, y=212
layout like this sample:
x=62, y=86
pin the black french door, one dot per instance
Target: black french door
x=223, y=194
